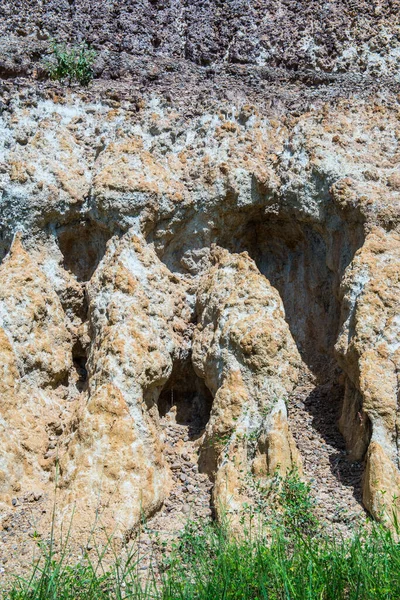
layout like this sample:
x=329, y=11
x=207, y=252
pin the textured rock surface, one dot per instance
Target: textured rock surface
x=117, y=212
x=277, y=39
x=199, y=256
x=36, y=360
x=115, y=456
x=243, y=349
x=368, y=347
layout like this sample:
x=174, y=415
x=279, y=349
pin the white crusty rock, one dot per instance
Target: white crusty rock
x=130, y=215
x=244, y=351
x=368, y=348
x=115, y=462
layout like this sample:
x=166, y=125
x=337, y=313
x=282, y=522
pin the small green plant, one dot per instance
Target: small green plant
x=297, y=504
x=73, y=63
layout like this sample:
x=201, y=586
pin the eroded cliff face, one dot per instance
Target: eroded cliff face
x=156, y=262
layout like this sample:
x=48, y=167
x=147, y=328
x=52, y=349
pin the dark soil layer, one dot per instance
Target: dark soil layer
x=237, y=49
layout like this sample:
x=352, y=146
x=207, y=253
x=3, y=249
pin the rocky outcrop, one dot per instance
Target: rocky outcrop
x=156, y=260
x=36, y=361
x=115, y=458
x=368, y=349
x=244, y=351
x=272, y=40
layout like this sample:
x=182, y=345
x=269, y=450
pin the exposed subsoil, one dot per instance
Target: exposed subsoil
x=190, y=496
x=212, y=47
x=313, y=413
x=335, y=481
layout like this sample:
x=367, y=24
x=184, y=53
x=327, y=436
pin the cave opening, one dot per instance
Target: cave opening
x=304, y=254
x=296, y=259
x=305, y=261
x=186, y=396
x=5, y=245
x=79, y=359
x=83, y=245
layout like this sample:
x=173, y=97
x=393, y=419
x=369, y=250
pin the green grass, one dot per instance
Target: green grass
x=292, y=558
x=299, y=567
x=211, y=564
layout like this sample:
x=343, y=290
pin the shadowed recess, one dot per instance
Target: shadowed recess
x=303, y=259
x=5, y=245
x=186, y=394
x=305, y=262
x=83, y=245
